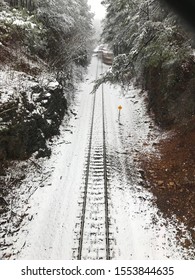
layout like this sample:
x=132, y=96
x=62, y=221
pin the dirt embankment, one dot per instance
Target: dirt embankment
x=170, y=175
x=170, y=172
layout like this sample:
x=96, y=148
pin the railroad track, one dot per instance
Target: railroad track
x=93, y=235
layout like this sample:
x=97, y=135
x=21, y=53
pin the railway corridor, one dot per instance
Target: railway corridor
x=93, y=205
x=93, y=221
x=106, y=226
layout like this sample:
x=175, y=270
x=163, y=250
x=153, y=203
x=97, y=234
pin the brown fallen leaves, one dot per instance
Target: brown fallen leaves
x=171, y=176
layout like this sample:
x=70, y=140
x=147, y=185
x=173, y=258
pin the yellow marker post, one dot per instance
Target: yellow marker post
x=119, y=111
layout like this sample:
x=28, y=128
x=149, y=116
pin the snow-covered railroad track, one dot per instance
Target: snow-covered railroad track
x=93, y=235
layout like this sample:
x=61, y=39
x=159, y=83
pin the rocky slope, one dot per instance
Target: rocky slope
x=34, y=93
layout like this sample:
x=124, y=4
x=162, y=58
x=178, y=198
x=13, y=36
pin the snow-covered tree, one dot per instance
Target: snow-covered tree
x=69, y=24
x=140, y=29
x=153, y=46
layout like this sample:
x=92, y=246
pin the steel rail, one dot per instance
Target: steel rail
x=105, y=180
x=105, y=175
x=86, y=179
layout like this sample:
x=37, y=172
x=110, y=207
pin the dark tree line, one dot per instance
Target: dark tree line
x=28, y=4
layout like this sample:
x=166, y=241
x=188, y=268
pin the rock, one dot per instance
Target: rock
x=37, y=88
x=142, y=173
x=43, y=153
x=29, y=128
x=2, y=169
x=187, y=243
x=2, y=201
x=193, y=235
x=145, y=144
x=7, y=255
x=3, y=205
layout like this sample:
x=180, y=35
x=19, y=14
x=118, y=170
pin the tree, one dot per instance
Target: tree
x=153, y=46
x=139, y=29
x=68, y=36
x=69, y=25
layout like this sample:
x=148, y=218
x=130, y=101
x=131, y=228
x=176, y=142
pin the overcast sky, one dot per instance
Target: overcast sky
x=97, y=8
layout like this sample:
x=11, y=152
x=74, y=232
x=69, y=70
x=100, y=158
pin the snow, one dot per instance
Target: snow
x=18, y=22
x=138, y=230
x=48, y=94
x=53, y=85
x=15, y=17
x=13, y=82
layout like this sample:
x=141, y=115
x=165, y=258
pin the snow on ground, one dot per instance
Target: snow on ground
x=137, y=228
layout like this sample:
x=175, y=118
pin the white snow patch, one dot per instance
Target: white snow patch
x=53, y=85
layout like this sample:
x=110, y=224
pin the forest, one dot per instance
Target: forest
x=155, y=47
